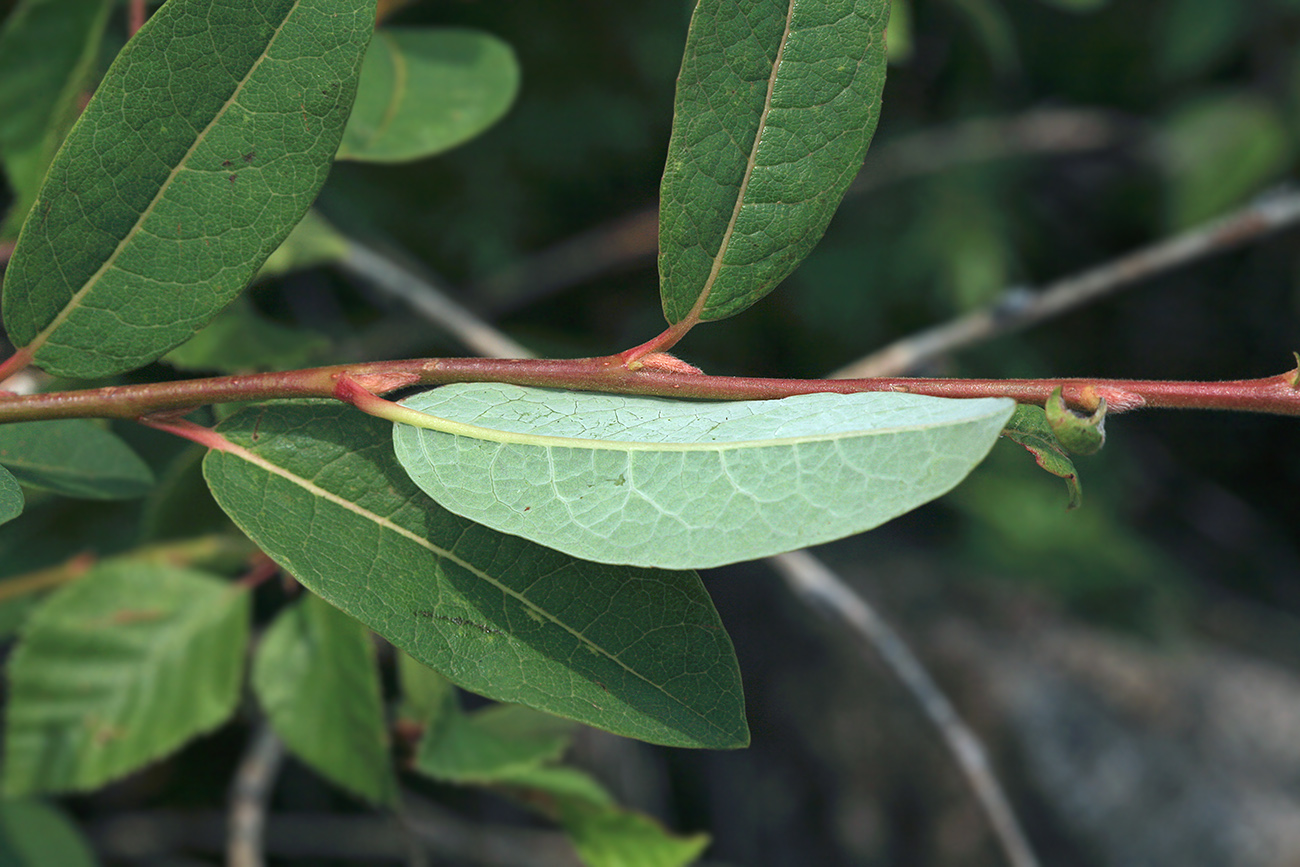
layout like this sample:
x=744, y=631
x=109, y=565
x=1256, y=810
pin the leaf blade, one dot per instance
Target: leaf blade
x=11, y=497
x=204, y=145
x=672, y=484
x=118, y=669
x=314, y=485
x=73, y=457
x=776, y=104
x=425, y=91
x=315, y=675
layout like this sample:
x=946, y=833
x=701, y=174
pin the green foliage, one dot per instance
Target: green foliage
x=315, y=676
x=11, y=496
x=73, y=457
x=241, y=340
x=47, y=52
x=422, y=92
x=117, y=670
x=1030, y=428
x=318, y=488
x=776, y=103
x=33, y=834
x=191, y=164
x=649, y=481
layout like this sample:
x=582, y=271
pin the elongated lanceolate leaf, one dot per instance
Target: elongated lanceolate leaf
x=677, y=484
x=636, y=651
x=204, y=145
x=47, y=52
x=425, y=91
x=11, y=497
x=73, y=457
x=117, y=670
x=776, y=103
x=316, y=677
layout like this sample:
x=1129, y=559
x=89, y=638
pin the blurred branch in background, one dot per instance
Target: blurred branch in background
x=250, y=796
x=822, y=590
x=632, y=239
x=1020, y=308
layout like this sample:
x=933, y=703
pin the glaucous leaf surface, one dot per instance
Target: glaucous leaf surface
x=316, y=677
x=677, y=484
x=118, y=669
x=33, y=834
x=203, y=146
x=776, y=104
x=73, y=457
x=424, y=91
x=47, y=54
x=639, y=652
x=11, y=496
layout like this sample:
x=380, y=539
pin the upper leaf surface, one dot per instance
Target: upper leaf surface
x=73, y=457
x=316, y=677
x=425, y=91
x=639, y=652
x=492, y=744
x=675, y=484
x=776, y=104
x=204, y=145
x=11, y=497
x=118, y=669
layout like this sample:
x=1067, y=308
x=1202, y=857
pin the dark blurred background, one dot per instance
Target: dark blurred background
x=1132, y=665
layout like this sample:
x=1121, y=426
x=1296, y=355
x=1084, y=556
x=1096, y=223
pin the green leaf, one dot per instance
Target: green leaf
x=117, y=670
x=1220, y=150
x=11, y=496
x=318, y=488
x=312, y=242
x=207, y=140
x=1080, y=434
x=33, y=834
x=492, y=745
x=676, y=484
x=1029, y=427
x=776, y=104
x=73, y=457
x=423, y=92
x=613, y=837
x=316, y=677
x=426, y=695
x=47, y=53
x=241, y=340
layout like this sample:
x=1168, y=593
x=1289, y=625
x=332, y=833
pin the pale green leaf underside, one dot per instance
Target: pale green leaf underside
x=117, y=670
x=425, y=91
x=639, y=652
x=676, y=484
x=204, y=145
x=316, y=677
x=73, y=457
x=776, y=104
x=11, y=497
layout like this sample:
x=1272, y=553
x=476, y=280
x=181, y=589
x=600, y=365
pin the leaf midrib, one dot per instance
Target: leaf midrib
x=315, y=490
x=697, y=310
x=42, y=337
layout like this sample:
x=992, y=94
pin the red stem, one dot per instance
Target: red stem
x=1278, y=395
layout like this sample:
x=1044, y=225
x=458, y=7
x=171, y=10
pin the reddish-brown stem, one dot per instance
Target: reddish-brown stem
x=135, y=16
x=1277, y=395
x=14, y=364
x=665, y=341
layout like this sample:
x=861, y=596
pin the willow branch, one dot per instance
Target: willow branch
x=251, y=793
x=1021, y=308
x=821, y=589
